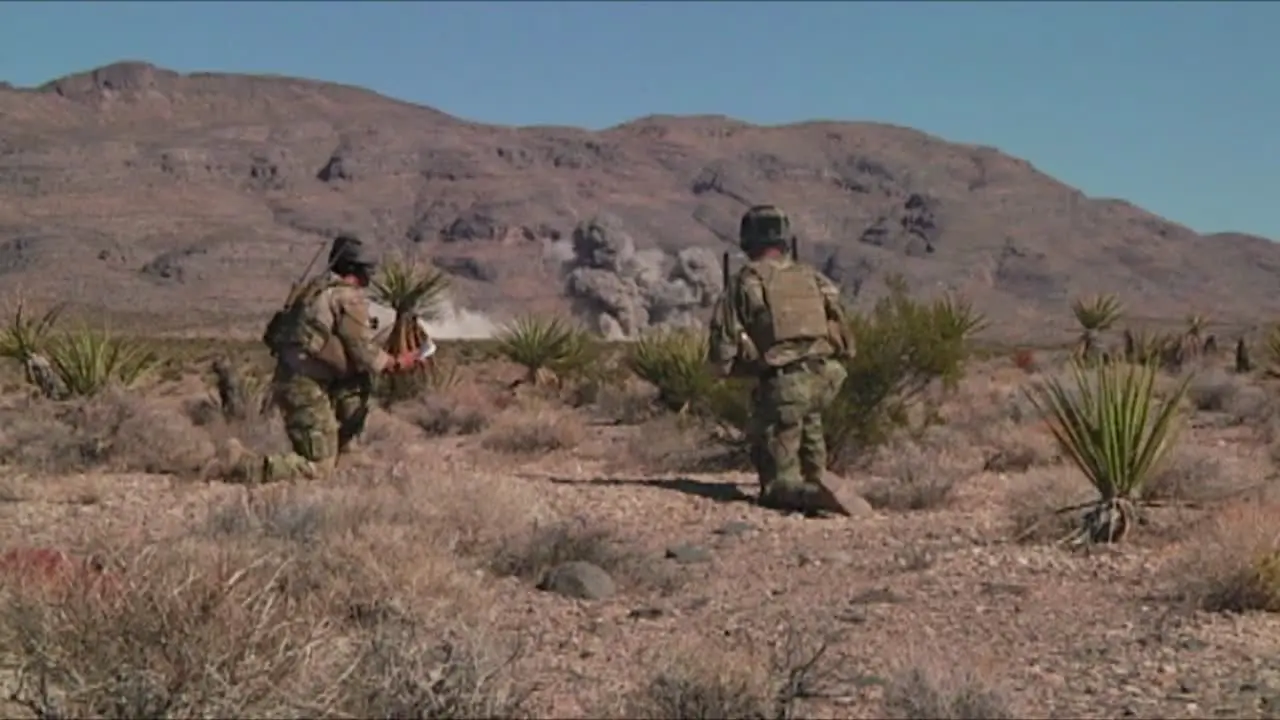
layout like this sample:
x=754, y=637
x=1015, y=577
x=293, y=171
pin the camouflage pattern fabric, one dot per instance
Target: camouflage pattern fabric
x=322, y=421
x=786, y=426
x=800, y=372
x=324, y=404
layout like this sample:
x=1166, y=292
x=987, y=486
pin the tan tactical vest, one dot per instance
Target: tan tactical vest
x=796, y=310
x=299, y=327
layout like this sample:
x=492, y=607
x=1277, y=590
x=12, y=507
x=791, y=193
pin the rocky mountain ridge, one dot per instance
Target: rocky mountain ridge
x=190, y=202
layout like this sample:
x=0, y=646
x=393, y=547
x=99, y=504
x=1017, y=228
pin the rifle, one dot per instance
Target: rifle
x=270, y=335
x=302, y=279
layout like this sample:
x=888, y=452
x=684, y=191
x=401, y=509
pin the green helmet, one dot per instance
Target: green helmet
x=348, y=251
x=764, y=226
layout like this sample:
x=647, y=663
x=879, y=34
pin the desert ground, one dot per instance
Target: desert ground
x=570, y=548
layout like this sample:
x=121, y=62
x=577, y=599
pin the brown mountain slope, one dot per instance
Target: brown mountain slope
x=193, y=200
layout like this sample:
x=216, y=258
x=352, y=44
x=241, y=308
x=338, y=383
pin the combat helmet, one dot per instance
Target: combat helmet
x=764, y=226
x=349, y=253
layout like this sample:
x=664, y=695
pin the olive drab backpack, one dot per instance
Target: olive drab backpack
x=295, y=326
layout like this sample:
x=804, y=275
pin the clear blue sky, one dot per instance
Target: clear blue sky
x=1173, y=106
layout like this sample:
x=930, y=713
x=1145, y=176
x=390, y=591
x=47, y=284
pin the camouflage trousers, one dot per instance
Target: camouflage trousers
x=788, y=448
x=322, y=420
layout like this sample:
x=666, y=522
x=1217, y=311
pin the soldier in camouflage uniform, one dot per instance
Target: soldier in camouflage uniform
x=782, y=322
x=325, y=359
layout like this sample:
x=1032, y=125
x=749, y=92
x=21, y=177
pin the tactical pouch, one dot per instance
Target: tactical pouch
x=796, y=307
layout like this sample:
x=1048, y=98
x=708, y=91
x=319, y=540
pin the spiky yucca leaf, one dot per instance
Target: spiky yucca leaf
x=544, y=345
x=1115, y=430
x=956, y=318
x=675, y=362
x=1098, y=313
x=25, y=336
x=89, y=361
x=411, y=289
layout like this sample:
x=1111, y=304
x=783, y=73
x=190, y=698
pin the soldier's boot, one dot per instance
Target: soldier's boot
x=820, y=499
x=235, y=464
x=784, y=498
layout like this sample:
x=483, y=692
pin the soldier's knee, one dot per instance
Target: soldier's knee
x=315, y=444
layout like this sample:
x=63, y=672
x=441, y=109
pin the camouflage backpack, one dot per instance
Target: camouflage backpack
x=294, y=325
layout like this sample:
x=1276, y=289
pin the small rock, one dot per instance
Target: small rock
x=687, y=554
x=876, y=596
x=580, y=580
x=734, y=528
x=646, y=613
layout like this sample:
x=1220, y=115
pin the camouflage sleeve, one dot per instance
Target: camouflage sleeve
x=351, y=315
x=722, y=346
x=836, y=320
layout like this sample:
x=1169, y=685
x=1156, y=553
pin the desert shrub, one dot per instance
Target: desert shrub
x=1115, y=430
x=531, y=553
x=716, y=684
x=546, y=348
x=1235, y=568
x=922, y=694
x=531, y=433
x=904, y=347
x=164, y=638
x=917, y=481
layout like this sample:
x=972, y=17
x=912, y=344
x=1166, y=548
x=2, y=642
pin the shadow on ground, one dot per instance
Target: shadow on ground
x=717, y=491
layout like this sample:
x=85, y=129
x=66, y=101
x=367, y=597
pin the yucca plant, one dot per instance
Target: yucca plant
x=548, y=349
x=89, y=361
x=1096, y=315
x=1115, y=429
x=955, y=318
x=25, y=335
x=1142, y=347
x=675, y=362
x=415, y=292
x=24, y=339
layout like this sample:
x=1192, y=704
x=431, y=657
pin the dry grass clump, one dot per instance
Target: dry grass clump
x=681, y=444
x=917, y=480
x=1236, y=568
x=932, y=693
x=530, y=554
x=1214, y=391
x=1190, y=473
x=1033, y=504
x=708, y=686
x=191, y=629
x=113, y=431
x=532, y=431
x=709, y=682
x=1013, y=448
x=463, y=409
x=627, y=403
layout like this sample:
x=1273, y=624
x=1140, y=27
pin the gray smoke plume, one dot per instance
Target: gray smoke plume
x=623, y=291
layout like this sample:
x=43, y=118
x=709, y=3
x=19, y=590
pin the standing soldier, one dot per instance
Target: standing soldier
x=782, y=322
x=325, y=357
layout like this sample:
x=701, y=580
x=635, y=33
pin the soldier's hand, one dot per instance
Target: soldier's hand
x=408, y=360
